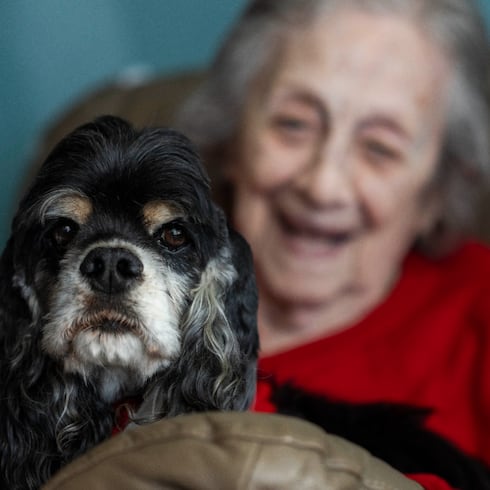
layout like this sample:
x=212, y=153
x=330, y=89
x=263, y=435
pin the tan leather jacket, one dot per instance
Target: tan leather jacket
x=228, y=451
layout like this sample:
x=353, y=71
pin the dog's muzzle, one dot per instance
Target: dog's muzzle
x=111, y=270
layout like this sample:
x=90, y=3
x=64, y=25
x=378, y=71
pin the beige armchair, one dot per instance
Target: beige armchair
x=228, y=451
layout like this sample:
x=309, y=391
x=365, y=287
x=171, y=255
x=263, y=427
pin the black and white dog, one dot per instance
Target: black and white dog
x=121, y=280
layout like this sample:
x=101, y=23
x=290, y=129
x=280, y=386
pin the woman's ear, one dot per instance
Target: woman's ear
x=430, y=213
x=434, y=236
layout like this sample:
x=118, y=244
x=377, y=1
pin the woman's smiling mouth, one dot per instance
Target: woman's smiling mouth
x=309, y=239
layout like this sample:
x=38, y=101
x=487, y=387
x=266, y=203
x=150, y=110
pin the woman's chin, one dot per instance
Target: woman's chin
x=311, y=265
x=292, y=287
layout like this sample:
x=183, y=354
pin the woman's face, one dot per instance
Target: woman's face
x=336, y=151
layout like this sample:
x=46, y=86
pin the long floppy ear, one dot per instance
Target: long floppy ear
x=220, y=341
x=241, y=304
x=44, y=411
x=216, y=368
x=14, y=309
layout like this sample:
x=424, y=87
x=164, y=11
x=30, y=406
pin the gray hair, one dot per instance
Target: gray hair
x=212, y=116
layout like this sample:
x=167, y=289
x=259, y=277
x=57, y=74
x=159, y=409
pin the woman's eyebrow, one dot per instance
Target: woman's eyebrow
x=292, y=94
x=300, y=95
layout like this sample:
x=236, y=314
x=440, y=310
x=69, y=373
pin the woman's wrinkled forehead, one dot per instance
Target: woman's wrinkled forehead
x=287, y=17
x=367, y=61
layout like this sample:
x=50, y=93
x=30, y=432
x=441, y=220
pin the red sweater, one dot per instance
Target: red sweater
x=427, y=345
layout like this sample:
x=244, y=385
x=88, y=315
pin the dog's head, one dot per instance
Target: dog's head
x=130, y=273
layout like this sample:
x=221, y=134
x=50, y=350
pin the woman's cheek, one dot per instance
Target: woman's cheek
x=387, y=199
x=272, y=165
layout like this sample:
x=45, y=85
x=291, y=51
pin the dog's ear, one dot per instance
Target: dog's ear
x=216, y=369
x=220, y=342
x=14, y=309
x=241, y=305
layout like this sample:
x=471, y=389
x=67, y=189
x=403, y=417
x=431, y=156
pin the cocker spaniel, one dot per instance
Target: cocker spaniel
x=121, y=285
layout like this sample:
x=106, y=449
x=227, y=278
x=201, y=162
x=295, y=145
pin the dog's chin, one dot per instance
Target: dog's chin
x=104, y=348
x=116, y=362
x=107, y=344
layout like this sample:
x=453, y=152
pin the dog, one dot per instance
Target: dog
x=121, y=285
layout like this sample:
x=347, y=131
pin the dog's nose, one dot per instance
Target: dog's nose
x=111, y=270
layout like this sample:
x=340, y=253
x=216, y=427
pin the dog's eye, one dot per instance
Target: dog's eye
x=63, y=232
x=172, y=236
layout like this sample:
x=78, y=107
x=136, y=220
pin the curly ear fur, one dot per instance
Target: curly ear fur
x=14, y=309
x=37, y=397
x=216, y=368
x=52, y=403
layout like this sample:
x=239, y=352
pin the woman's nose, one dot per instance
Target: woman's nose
x=328, y=178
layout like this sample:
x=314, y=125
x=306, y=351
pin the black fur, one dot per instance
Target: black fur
x=49, y=414
x=394, y=433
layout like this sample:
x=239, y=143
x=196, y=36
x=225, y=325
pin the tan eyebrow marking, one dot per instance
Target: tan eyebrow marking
x=155, y=213
x=67, y=204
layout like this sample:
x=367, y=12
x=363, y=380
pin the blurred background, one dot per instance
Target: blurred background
x=55, y=51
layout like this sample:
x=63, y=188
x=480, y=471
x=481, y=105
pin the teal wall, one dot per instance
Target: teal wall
x=52, y=51
x=485, y=7
x=55, y=50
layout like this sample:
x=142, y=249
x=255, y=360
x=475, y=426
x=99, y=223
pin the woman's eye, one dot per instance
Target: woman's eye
x=291, y=124
x=173, y=236
x=294, y=130
x=63, y=232
x=378, y=152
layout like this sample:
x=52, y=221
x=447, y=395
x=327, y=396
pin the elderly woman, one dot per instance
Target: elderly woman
x=348, y=140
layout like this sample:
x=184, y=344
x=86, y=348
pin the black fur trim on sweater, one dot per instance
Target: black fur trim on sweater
x=394, y=433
